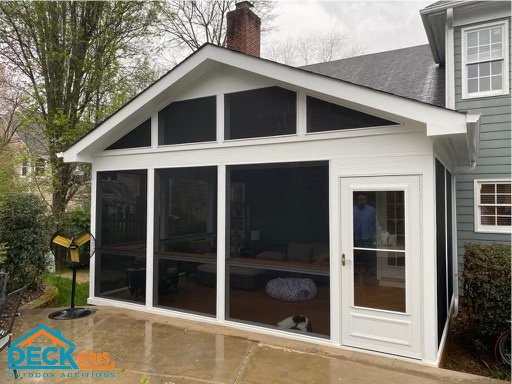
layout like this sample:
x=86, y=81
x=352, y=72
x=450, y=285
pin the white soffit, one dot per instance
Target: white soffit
x=439, y=121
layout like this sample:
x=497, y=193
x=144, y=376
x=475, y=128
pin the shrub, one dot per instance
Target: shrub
x=24, y=230
x=79, y=216
x=3, y=253
x=486, y=282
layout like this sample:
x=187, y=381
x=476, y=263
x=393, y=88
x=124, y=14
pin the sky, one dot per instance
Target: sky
x=376, y=25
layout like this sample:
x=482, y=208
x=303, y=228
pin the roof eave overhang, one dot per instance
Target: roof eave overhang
x=439, y=121
x=434, y=24
x=463, y=146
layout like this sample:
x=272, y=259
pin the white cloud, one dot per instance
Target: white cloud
x=378, y=25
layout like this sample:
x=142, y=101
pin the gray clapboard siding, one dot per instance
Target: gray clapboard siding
x=501, y=133
x=494, y=156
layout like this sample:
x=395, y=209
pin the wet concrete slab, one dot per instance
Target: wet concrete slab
x=148, y=349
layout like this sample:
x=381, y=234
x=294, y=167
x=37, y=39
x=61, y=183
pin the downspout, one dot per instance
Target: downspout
x=456, y=263
x=473, y=127
x=470, y=168
x=449, y=61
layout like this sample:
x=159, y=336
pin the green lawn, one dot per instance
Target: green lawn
x=64, y=286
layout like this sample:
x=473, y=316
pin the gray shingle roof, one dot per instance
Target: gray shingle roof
x=33, y=137
x=407, y=72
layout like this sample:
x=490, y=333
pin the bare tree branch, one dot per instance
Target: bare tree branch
x=190, y=24
x=313, y=49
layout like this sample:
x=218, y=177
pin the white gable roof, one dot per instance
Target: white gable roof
x=439, y=121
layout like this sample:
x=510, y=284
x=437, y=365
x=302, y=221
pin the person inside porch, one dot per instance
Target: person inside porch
x=365, y=230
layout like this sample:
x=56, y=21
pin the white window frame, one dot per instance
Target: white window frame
x=487, y=228
x=25, y=168
x=503, y=24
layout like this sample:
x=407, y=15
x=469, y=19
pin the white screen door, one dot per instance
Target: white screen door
x=380, y=264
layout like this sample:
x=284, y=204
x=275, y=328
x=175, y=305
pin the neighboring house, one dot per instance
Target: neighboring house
x=30, y=160
x=32, y=152
x=226, y=192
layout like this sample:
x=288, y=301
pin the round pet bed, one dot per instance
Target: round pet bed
x=291, y=289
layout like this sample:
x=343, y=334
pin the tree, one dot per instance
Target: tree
x=10, y=102
x=75, y=59
x=187, y=25
x=314, y=49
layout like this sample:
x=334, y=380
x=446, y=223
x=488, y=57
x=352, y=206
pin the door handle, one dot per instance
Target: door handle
x=344, y=260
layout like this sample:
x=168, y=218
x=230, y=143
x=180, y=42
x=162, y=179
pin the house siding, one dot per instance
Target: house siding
x=494, y=155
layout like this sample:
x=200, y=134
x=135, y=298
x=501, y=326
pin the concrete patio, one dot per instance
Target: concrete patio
x=149, y=348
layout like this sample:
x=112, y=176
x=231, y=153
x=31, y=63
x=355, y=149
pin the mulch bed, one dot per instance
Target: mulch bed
x=31, y=295
x=466, y=354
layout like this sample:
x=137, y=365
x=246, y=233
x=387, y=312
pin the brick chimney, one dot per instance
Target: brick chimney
x=243, y=29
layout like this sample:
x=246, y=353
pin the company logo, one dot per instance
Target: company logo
x=25, y=354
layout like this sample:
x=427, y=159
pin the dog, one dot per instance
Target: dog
x=298, y=322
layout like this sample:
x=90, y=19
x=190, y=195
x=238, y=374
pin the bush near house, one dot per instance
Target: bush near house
x=486, y=281
x=78, y=216
x=24, y=231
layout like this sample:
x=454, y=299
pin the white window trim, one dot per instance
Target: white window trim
x=464, y=32
x=487, y=228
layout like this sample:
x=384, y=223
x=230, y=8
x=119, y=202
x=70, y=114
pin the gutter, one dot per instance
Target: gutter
x=442, y=7
x=473, y=124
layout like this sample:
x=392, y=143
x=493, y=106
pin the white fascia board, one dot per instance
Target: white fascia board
x=470, y=120
x=441, y=120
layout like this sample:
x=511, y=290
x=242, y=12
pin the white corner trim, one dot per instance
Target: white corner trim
x=449, y=60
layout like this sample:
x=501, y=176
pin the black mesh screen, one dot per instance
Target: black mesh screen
x=259, y=113
x=324, y=116
x=136, y=138
x=449, y=233
x=188, y=121
x=442, y=305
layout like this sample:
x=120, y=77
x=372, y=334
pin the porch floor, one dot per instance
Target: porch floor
x=148, y=348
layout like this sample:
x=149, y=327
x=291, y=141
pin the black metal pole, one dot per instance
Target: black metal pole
x=73, y=284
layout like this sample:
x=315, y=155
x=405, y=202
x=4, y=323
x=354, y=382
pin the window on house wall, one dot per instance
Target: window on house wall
x=261, y=112
x=24, y=168
x=485, y=68
x=39, y=167
x=188, y=121
x=493, y=206
x=137, y=138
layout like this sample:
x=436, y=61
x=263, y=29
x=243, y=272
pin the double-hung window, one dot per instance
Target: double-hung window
x=485, y=60
x=493, y=206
